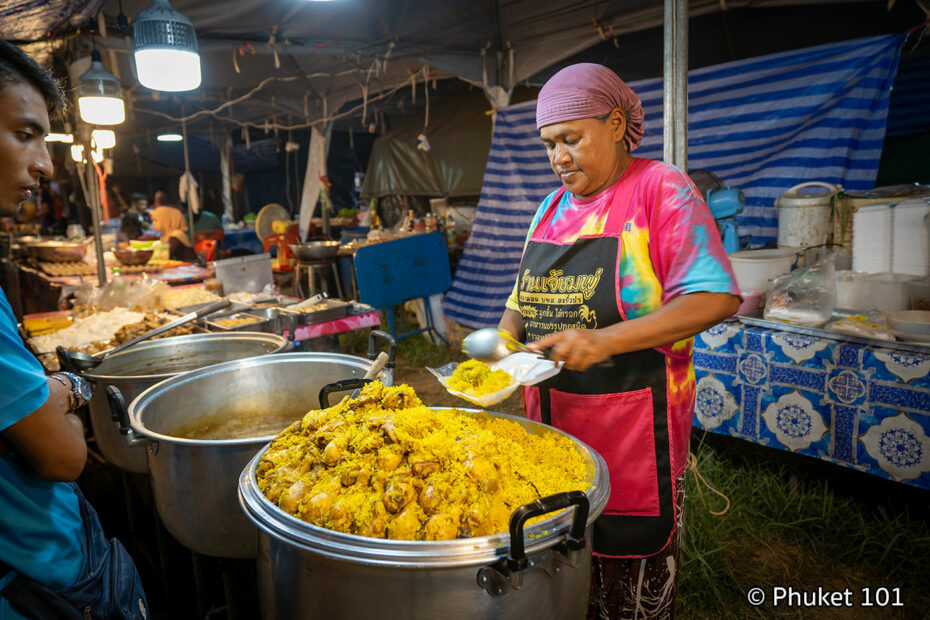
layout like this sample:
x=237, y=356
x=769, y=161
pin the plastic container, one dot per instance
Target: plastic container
x=804, y=217
x=887, y=291
x=754, y=268
x=919, y=294
x=851, y=290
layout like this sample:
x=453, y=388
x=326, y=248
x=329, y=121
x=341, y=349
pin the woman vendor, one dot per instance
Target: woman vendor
x=170, y=223
x=622, y=266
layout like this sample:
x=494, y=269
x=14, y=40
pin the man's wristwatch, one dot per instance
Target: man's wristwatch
x=79, y=394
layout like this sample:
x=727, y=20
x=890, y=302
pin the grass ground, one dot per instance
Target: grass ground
x=792, y=521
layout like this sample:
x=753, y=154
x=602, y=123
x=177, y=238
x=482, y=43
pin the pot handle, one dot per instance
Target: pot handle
x=119, y=415
x=340, y=386
x=509, y=570
x=373, y=346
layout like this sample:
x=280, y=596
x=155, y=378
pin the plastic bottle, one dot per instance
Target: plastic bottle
x=450, y=228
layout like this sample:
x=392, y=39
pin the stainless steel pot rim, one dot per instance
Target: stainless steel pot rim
x=138, y=405
x=239, y=336
x=411, y=553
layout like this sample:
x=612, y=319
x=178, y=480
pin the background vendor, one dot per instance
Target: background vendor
x=170, y=223
x=622, y=266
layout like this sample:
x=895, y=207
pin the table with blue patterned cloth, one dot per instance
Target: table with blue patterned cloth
x=863, y=407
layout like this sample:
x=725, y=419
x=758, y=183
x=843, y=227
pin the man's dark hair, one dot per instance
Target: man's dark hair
x=17, y=67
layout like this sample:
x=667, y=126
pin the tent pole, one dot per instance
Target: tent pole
x=90, y=197
x=675, y=82
x=681, y=88
x=187, y=171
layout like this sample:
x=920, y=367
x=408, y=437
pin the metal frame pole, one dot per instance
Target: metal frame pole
x=675, y=82
x=668, y=84
x=681, y=88
x=90, y=188
x=187, y=171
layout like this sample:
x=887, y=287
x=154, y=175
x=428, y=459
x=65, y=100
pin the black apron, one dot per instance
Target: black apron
x=620, y=410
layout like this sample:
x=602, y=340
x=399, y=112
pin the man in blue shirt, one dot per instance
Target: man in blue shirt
x=47, y=531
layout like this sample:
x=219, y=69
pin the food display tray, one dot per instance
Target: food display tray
x=261, y=323
x=235, y=307
x=335, y=309
x=756, y=319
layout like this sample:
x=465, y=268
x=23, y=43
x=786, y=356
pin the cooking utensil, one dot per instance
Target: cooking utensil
x=135, y=370
x=490, y=345
x=383, y=359
x=315, y=250
x=83, y=361
x=56, y=251
x=194, y=480
x=300, y=564
x=309, y=302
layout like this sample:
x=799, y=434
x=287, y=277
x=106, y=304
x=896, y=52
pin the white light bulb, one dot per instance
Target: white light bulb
x=77, y=153
x=170, y=137
x=101, y=110
x=168, y=69
x=103, y=138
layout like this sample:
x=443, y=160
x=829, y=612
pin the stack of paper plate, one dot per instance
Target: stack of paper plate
x=872, y=233
x=911, y=238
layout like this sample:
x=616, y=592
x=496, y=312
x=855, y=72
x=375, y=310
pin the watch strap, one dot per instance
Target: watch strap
x=60, y=378
x=76, y=397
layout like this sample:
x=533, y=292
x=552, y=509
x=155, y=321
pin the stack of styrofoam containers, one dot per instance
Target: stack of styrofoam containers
x=873, y=227
x=910, y=250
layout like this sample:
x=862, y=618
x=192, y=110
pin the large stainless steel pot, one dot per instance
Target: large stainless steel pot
x=142, y=366
x=194, y=481
x=309, y=572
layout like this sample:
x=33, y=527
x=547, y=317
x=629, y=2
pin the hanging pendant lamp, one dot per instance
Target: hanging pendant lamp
x=165, y=46
x=100, y=96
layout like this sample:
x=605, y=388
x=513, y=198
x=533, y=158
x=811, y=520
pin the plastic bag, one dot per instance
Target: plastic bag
x=871, y=325
x=804, y=296
x=143, y=294
x=525, y=368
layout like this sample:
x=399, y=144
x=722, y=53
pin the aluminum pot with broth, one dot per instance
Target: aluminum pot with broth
x=204, y=426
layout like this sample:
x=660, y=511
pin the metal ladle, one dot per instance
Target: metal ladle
x=82, y=361
x=490, y=344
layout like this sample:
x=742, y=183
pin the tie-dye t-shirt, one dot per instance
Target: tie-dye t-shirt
x=671, y=246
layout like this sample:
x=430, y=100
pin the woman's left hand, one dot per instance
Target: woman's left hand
x=578, y=348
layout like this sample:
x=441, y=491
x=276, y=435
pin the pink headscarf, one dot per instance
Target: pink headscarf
x=587, y=90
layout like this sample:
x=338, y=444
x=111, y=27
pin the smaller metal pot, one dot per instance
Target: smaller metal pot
x=315, y=250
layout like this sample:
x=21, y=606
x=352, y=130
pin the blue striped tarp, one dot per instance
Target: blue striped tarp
x=762, y=124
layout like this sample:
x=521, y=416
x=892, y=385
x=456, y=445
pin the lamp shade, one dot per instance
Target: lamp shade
x=100, y=96
x=165, y=46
